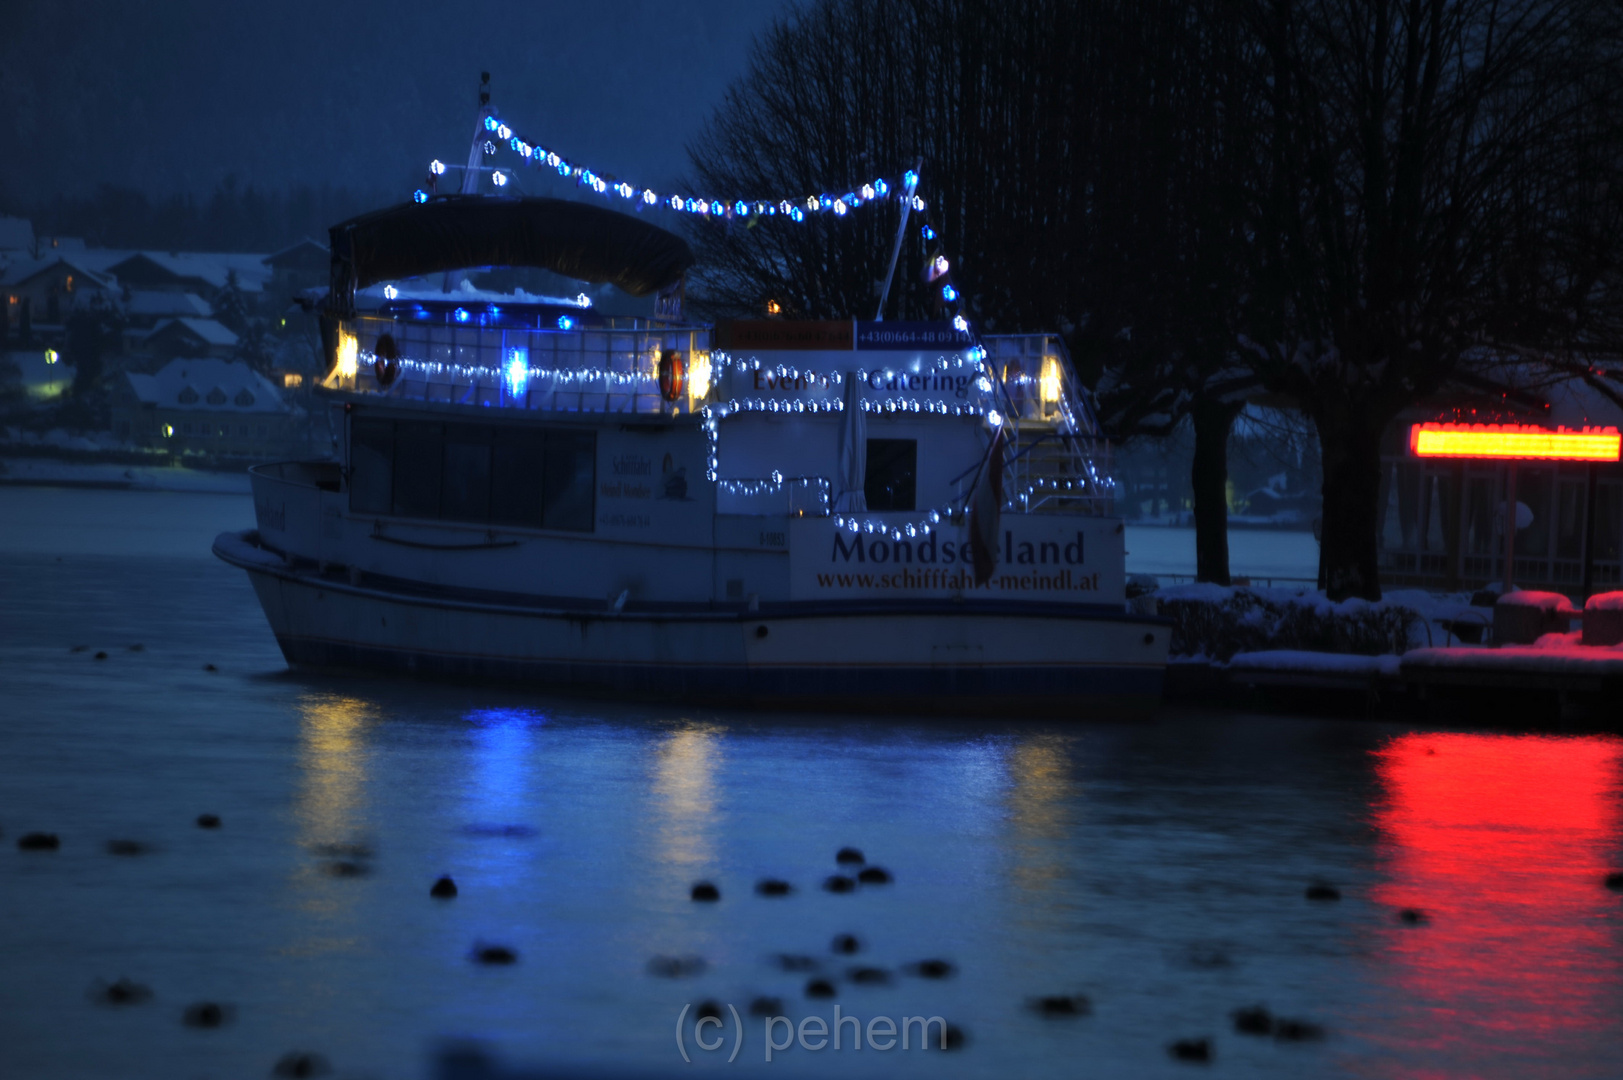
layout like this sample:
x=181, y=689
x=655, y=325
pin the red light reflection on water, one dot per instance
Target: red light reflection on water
x=1504, y=842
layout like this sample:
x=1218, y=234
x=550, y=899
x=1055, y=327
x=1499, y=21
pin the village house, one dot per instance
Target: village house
x=189, y=338
x=48, y=289
x=210, y=406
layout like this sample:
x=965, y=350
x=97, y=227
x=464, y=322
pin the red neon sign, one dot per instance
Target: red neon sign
x=1514, y=441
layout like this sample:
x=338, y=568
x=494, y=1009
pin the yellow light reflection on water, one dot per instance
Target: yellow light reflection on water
x=1040, y=774
x=330, y=798
x=684, y=780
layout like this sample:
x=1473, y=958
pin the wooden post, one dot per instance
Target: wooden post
x=1510, y=523
x=1589, y=530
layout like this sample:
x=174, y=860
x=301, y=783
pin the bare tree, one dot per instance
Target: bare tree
x=1427, y=174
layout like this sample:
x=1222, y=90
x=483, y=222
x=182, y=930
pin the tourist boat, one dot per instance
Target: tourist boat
x=829, y=514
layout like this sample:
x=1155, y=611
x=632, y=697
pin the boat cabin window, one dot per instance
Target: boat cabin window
x=490, y=474
x=892, y=477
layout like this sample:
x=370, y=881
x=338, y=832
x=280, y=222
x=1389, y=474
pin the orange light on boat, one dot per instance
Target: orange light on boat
x=1514, y=441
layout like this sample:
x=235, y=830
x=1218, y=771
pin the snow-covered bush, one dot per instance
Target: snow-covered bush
x=1217, y=622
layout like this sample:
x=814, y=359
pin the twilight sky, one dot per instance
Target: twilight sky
x=170, y=95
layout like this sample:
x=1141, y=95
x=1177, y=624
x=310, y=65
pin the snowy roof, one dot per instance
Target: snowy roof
x=304, y=248
x=217, y=385
x=16, y=234
x=26, y=270
x=210, y=268
x=208, y=330
x=189, y=305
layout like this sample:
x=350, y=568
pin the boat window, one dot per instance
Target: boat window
x=419, y=452
x=371, y=466
x=499, y=474
x=891, y=479
x=465, y=493
x=571, y=476
x=518, y=463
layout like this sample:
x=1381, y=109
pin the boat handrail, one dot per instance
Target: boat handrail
x=775, y=496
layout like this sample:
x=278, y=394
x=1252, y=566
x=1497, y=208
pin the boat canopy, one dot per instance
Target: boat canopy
x=452, y=232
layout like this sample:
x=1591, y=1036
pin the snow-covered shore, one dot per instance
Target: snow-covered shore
x=56, y=472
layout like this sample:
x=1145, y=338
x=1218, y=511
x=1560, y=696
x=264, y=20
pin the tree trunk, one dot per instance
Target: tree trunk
x=1349, y=560
x=1209, y=478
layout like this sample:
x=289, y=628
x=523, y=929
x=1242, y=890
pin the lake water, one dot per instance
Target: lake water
x=1158, y=868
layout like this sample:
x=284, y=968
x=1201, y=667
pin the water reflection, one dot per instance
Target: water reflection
x=685, y=768
x=332, y=760
x=330, y=808
x=1503, y=842
x=502, y=764
x=1040, y=773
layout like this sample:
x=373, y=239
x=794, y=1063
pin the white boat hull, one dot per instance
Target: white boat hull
x=980, y=656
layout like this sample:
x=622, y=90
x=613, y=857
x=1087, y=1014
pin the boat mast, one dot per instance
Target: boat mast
x=476, y=155
x=896, y=248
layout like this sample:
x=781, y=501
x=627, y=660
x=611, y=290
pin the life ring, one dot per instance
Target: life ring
x=387, y=368
x=673, y=376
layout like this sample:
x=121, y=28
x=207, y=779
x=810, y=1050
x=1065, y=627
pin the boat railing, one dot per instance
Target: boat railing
x=775, y=496
x=612, y=369
x=1059, y=461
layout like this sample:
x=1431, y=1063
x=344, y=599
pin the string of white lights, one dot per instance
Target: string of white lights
x=795, y=208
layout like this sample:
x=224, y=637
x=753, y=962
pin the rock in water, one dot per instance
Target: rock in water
x=676, y=967
x=126, y=847
x=849, y=856
x=122, y=992
x=874, y=875
x=301, y=1064
x=204, y=1014
x=1253, y=1020
x=846, y=944
x=38, y=841
x=819, y=988
x=839, y=883
x=1297, y=1031
x=773, y=887
x=705, y=891
x=444, y=889
x=766, y=1006
x=1192, y=1050
x=1321, y=891
x=932, y=969
x=208, y=821
x=1057, y=1005
x=494, y=954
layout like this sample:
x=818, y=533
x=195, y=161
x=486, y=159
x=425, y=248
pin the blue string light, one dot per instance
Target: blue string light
x=794, y=209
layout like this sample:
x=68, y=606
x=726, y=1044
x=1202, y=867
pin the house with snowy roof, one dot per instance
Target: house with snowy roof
x=187, y=337
x=218, y=407
x=204, y=273
x=145, y=309
x=49, y=288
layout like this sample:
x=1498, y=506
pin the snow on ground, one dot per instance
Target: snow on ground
x=1297, y=661
x=1552, y=654
x=1606, y=601
x=138, y=477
